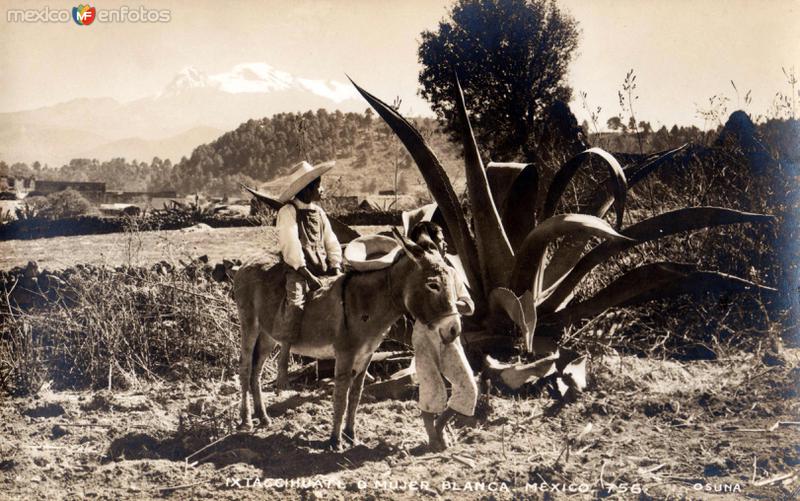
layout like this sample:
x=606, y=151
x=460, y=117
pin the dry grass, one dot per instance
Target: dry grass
x=111, y=329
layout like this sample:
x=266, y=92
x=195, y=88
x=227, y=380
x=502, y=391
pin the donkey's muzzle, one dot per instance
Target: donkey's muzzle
x=449, y=328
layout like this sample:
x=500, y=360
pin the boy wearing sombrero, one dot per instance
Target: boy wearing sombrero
x=308, y=246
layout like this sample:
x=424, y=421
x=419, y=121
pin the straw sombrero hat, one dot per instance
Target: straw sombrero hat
x=371, y=252
x=414, y=216
x=302, y=174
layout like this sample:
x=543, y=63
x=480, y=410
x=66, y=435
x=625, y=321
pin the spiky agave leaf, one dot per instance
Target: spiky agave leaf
x=521, y=310
x=528, y=264
x=616, y=186
x=650, y=282
x=602, y=200
x=514, y=376
x=501, y=175
x=663, y=225
x=638, y=173
x=518, y=205
x=567, y=171
x=494, y=251
x=344, y=233
x=437, y=182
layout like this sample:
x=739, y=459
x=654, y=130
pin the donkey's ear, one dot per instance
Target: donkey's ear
x=412, y=250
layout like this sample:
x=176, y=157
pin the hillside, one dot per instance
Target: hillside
x=173, y=147
x=365, y=150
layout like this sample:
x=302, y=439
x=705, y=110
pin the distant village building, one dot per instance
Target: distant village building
x=119, y=210
x=143, y=199
x=15, y=188
x=109, y=203
x=94, y=192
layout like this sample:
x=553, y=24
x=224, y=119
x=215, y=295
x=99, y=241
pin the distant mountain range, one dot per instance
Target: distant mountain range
x=192, y=109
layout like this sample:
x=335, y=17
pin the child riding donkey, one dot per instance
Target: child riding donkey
x=309, y=249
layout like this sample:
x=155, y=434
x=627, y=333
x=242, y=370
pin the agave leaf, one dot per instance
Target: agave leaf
x=494, y=251
x=601, y=201
x=650, y=282
x=656, y=161
x=521, y=310
x=502, y=299
x=567, y=172
x=343, y=232
x=528, y=303
x=663, y=225
x=614, y=189
x=528, y=265
x=514, y=376
x=518, y=210
x=501, y=176
x=569, y=253
x=573, y=376
x=437, y=182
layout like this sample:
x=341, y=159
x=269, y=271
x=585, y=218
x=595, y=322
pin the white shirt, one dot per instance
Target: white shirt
x=289, y=239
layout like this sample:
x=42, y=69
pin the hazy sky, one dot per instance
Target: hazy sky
x=682, y=51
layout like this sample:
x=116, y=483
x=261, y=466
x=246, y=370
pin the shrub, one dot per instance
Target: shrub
x=105, y=327
x=67, y=203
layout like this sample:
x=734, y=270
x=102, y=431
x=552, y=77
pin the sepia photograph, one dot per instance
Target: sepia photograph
x=390, y=250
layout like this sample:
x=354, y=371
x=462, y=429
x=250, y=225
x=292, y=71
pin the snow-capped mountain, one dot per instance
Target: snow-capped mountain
x=256, y=78
x=192, y=99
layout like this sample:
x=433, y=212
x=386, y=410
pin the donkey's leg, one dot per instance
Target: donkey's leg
x=264, y=348
x=343, y=380
x=249, y=328
x=354, y=397
x=288, y=322
x=282, y=381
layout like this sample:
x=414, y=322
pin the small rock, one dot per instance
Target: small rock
x=58, y=431
x=228, y=389
x=46, y=410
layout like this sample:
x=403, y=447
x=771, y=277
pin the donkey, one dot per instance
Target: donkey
x=346, y=321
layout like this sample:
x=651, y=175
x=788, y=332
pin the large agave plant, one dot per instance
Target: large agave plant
x=517, y=288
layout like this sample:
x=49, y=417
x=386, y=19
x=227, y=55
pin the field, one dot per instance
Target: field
x=143, y=248
x=644, y=428
x=139, y=248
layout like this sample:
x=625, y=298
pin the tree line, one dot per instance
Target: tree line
x=261, y=150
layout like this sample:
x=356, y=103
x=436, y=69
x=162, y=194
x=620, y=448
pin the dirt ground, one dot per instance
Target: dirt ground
x=644, y=429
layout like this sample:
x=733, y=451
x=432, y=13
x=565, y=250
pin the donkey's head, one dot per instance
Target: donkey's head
x=429, y=289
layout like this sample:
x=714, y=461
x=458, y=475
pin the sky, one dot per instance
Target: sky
x=682, y=51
